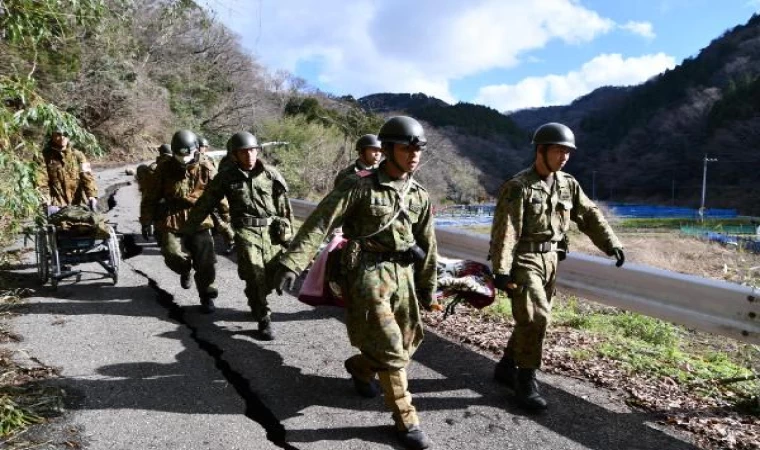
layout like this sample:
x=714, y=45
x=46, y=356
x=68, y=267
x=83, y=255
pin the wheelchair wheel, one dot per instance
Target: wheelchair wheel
x=55, y=258
x=114, y=255
x=41, y=252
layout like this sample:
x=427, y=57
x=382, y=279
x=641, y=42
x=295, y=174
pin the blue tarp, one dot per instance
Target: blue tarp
x=463, y=221
x=652, y=211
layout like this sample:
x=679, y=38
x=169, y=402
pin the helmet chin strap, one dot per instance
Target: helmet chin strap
x=392, y=158
x=542, y=152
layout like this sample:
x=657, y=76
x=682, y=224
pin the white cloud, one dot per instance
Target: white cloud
x=643, y=29
x=367, y=46
x=603, y=70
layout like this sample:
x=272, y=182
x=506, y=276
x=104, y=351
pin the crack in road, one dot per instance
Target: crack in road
x=255, y=409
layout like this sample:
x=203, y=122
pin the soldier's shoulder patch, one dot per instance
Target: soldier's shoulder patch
x=276, y=177
x=565, y=176
x=416, y=185
x=512, y=189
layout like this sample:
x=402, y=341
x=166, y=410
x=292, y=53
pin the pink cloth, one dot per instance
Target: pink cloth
x=314, y=290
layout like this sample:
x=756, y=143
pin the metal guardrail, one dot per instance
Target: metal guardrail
x=714, y=306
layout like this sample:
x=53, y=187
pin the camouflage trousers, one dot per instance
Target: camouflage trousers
x=382, y=313
x=200, y=256
x=256, y=259
x=535, y=275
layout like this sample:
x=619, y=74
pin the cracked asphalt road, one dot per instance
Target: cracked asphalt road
x=144, y=369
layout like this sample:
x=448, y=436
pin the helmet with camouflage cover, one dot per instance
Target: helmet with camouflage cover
x=241, y=140
x=402, y=130
x=554, y=133
x=368, y=140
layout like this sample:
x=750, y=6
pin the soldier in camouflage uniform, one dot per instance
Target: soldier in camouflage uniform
x=145, y=177
x=178, y=183
x=64, y=175
x=144, y=172
x=221, y=226
x=389, y=267
x=368, y=148
x=261, y=218
x=528, y=239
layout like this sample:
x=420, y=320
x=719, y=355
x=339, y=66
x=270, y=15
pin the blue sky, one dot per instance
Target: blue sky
x=507, y=54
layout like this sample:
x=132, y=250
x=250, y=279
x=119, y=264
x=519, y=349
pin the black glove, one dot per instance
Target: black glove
x=284, y=279
x=500, y=281
x=617, y=252
x=148, y=231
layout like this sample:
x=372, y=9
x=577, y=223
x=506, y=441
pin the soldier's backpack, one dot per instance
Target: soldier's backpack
x=80, y=221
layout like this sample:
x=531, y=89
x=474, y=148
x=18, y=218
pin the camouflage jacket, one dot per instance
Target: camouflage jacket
x=260, y=193
x=350, y=170
x=175, y=189
x=364, y=204
x=145, y=173
x=65, y=177
x=527, y=210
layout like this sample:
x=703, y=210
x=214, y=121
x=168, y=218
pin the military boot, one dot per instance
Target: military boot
x=527, y=392
x=413, y=438
x=398, y=399
x=207, y=300
x=265, y=329
x=363, y=377
x=207, y=305
x=184, y=280
x=506, y=372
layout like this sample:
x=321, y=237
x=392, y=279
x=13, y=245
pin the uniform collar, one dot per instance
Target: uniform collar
x=386, y=180
x=58, y=152
x=257, y=170
x=538, y=183
x=361, y=166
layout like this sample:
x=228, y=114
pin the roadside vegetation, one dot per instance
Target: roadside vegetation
x=25, y=399
x=704, y=384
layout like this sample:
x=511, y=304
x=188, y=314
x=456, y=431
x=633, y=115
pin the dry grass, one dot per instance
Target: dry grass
x=683, y=254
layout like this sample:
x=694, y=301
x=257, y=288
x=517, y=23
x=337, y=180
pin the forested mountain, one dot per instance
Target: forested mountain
x=644, y=143
x=123, y=75
x=647, y=143
x=474, y=138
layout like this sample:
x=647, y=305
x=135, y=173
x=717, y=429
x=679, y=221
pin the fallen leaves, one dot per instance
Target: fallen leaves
x=715, y=423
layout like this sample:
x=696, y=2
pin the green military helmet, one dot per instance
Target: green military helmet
x=184, y=143
x=368, y=140
x=202, y=142
x=402, y=130
x=241, y=140
x=164, y=149
x=554, y=133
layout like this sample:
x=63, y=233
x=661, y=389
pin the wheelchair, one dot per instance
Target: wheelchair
x=58, y=250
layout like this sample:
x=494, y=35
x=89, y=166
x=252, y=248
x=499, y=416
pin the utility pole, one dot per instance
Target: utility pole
x=704, y=184
x=593, y=185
